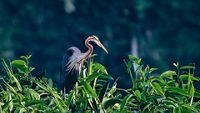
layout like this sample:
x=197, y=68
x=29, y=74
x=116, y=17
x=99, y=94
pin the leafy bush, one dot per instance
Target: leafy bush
x=172, y=91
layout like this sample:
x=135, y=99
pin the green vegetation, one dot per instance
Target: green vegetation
x=172, y=91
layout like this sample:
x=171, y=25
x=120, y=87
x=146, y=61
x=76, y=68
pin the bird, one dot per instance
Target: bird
x=72, y=63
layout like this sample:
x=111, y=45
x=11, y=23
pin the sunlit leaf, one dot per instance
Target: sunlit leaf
x=59, y=105
x=134, y=59
x=138, y=94
x=187, y=67
x=5, y=107
x=89, y=89
x=157, y=79
x=11, y=75
x=11, y=102
x=11, y=88
x=157, y=88
x=110, y=102
x=34, y=94
x=20, y=64
x=27, y=57
x=22, y=110
x=168, y=74
x=98, y=66
x=92, y=77
x=191, y=91
x=153, y=69
x=113, y=89
x=176, y=64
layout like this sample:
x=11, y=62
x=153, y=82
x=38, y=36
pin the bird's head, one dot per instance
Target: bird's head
x=96, y=40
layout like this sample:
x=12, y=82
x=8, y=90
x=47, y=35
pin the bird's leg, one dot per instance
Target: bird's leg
x=75, y=95
x=76, y=89
x=64, y=93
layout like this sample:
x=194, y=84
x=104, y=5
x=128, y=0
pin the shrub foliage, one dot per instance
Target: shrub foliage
x=172, y=91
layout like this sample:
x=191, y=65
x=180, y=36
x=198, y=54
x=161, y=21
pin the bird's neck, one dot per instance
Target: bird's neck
x=90, y=48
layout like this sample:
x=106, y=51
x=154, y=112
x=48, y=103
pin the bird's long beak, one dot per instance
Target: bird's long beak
x=98, y=42
x=101, y=46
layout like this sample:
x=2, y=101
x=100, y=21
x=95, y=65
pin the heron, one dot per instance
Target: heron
x=72, y=63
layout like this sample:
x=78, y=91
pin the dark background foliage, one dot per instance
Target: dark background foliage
x=165, y=31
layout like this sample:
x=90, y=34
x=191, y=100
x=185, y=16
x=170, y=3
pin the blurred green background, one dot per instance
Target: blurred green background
x=160, y=32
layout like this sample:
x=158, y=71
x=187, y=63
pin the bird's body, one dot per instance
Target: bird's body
x=72, y=63
x=69, y=77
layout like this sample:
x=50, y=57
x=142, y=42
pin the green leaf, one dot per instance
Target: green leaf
x=22, y=110
x=110, y=102
x=105, y=76
x=157, y=79
x=89, y=89
x=129, y=65
x=11, y=102
x=189, y=108
x=192, y=90
x=177, y=90
x=134, y=59
x=113, y=89
x=39, y=84
x=5, y=107
x=157, y=88
x=197, y=94
x=34, y=102
x=70, y=97
x=12, y=89
x=185, y=77
x=152, y=70
x=169, y=103
x=11, y=75
x=172, y=83
x=103, y=91
x=185, y=110
x=176, y=64
x=96, y=75
x=138, y=94
x=177, y=110
x=101, y=68
x=187, y=67
x=124, y=102
x=59, y=105
x=34, y=94
x=168, y=74
x=27, y=57
x=20, y=64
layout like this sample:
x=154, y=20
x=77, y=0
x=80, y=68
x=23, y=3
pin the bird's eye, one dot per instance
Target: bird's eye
x=70, y=52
